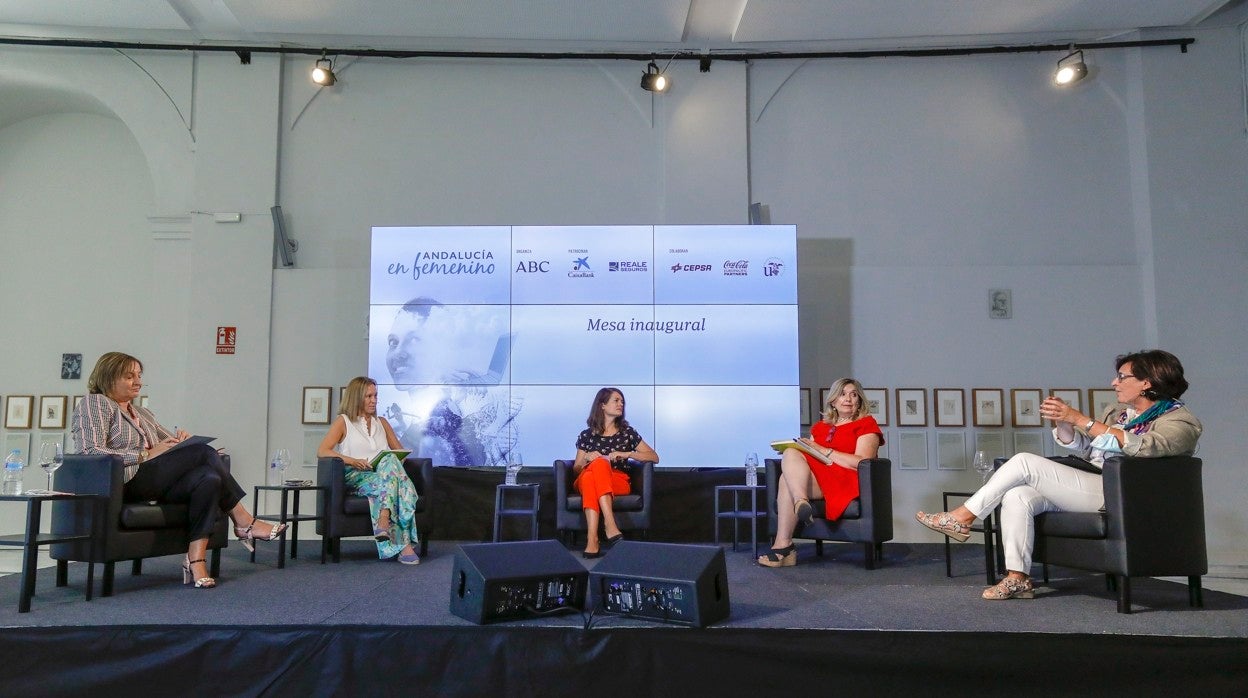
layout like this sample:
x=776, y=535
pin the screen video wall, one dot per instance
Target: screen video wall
x=489, y=343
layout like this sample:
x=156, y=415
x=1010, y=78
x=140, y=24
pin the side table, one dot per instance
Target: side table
x=736, y=514
x=516, y=500
x=32, y=538
x=987, y=526
x=293, y=517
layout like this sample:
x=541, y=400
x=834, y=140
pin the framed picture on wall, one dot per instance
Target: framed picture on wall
x=1029, y=442
x=950, y=450
x=911, y=407
x=52, y=411
x=823, y=399
x=877, y=404
x=1100, y=400
x=1070, y=396
x=18, y=411
x=986, y=407
x=78, y=401
x=912, y=450
x=950, y=407
x=804, y=404
x=1026, y=403
x=316, y=405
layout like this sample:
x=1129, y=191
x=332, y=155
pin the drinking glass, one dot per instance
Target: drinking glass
x=51, y=455
x=514, y=463
x=982, y=464
x=283, y=462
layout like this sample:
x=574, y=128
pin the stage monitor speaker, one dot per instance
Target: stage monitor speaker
x=685, y=584
x=521, y=579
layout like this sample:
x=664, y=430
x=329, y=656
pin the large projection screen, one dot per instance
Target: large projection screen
x=488, y=343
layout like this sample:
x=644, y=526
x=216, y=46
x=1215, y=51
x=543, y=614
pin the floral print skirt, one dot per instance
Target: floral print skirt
x=388, y=487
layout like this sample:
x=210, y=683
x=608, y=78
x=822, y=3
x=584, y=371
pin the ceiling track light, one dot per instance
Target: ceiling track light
x=655, y=80
x=323, y=72
x=1070, y=69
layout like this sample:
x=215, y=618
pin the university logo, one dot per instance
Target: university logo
x=772, y=267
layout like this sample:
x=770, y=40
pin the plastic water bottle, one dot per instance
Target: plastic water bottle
x=275, y=471
x=751, y=470
x=12, y=473
x=514, y=463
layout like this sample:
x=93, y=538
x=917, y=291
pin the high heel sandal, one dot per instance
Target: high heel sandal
x=804, y=511
x=779, y=557
x=248, y=539
x=202, y=582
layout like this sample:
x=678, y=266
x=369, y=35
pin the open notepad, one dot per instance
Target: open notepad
x=782, y=446
x=397, y=454
x=188, y=441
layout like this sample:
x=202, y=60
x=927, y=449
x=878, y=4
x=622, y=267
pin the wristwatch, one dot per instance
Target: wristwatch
x=142, y=455
x=1088, y=426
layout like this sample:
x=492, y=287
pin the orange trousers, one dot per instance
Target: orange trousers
x=599, y=478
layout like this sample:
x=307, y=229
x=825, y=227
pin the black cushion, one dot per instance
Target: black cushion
x=150, y=515
x=620, y=502
x=1068, y=524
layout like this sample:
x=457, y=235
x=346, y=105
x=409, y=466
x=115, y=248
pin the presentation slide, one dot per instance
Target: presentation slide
x=488, y=343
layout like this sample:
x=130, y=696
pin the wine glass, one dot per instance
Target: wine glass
x=982, y=464
x=51, y=455
x=515, y=462
x=283, y=462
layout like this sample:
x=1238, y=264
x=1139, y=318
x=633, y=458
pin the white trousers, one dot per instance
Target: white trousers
x=1028, y=485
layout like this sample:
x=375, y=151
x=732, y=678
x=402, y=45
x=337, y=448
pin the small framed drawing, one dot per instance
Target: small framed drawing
x=1100, y=400
x=912, y=450
x=823, y=399
x=1026, y=402
x=877, y=404
x=18, y=410
x=911, y=407
x=316, y=405
x=804, y=404
x=52, y=411
x=143, y=401
x=986, y=408
x=1070, y=396
x=950, y=404
x=950, y=450
x=990, y=442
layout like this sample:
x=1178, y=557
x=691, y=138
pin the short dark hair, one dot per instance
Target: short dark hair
x=1160, y=368
x=108, y=369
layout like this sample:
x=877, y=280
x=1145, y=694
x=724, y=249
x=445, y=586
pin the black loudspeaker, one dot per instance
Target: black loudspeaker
x=521, y=579
x=685, y=584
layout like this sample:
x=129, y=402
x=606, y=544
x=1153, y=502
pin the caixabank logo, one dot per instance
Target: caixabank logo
x=580, y=267
x=628, y=266
x=690, y=267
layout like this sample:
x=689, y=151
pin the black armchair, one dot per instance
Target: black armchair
x=1153, y=525
x=867, y=520
x=132, y=530
x=344, y=514
x=632, y=511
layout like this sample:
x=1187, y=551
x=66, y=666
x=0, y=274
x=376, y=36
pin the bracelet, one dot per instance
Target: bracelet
x=1088, y=427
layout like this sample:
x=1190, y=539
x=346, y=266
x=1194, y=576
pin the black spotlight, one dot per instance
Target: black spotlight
x=653, y=80
x=323, y=72
x=1070, y=69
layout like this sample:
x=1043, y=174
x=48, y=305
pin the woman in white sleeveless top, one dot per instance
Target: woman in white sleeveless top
x=357, y=436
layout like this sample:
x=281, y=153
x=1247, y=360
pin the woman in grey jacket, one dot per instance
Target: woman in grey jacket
x=1148, y=422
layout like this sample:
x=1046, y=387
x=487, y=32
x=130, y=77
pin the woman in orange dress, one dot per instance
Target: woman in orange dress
x=846, y=434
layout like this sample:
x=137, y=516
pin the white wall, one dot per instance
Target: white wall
x=1114, y=212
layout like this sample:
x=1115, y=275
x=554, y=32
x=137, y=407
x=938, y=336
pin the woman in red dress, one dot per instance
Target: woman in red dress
x=846, y=435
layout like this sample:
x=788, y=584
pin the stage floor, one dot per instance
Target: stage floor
x=907, y=592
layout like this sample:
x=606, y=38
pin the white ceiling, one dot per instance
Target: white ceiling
x=741, y=25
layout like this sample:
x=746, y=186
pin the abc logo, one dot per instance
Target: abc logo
x=533, y=267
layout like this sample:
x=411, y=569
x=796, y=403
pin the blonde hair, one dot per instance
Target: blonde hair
x=353, y=397
x=834, y=392
x=108, y=369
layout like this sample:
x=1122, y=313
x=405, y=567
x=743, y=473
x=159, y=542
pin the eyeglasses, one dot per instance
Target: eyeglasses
x=1123, y=376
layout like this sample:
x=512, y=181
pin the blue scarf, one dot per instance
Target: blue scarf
x=1140, y=424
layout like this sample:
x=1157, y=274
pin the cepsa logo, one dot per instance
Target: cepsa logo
x=690, y=267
